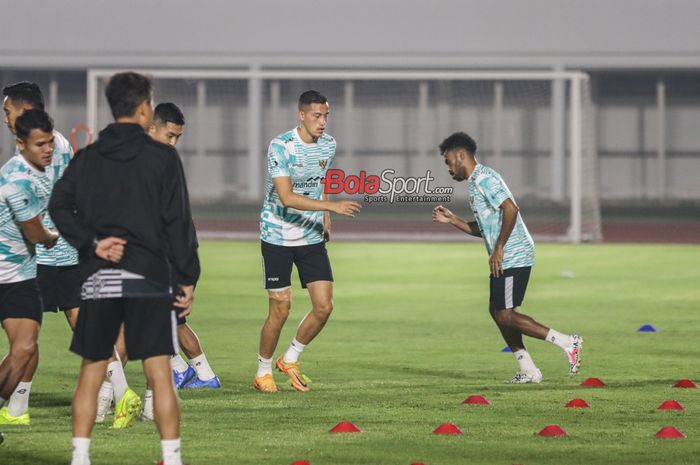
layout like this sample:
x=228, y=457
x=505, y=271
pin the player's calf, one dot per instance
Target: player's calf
x=15, y=364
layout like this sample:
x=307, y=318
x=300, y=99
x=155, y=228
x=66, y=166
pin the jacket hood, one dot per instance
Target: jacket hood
x=121, y=141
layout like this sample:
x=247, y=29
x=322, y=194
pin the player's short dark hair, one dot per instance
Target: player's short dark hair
x=126, y=91
x=25, y=92
x=458, y=140
x=33, y=119
x=169, y=113
x=311, y=96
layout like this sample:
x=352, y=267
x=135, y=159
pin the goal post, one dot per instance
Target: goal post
x=535, y=127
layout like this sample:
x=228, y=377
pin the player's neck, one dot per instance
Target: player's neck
x=470, y=164
x=305, y=136
x=32, y=165
x=130, y=120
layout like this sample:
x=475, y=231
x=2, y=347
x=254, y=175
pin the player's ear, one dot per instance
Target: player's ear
x=144, y=107
x=20, y=144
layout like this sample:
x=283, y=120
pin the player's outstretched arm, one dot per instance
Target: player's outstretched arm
x=283, y=186
x=443, y=215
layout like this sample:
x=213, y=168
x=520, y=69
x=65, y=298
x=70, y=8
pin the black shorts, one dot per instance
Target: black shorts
x=60, y=287
x=20, y=300
x=181, y=320
x=149, y=327
x=311, y=260
x=508, y=290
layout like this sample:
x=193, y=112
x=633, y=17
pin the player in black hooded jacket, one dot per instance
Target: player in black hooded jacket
x=123, y=204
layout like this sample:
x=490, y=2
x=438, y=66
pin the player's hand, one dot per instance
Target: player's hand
x=326, y=226
x=110, y=249
x=184, y=300
x=496, y=262
x=442, y=215
x=51, y=241
x=346, y=207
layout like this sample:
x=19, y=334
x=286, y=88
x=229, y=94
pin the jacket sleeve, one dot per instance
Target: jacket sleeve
x=64, y=211
x=179, y=228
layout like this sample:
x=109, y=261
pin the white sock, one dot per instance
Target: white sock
x=171, y=451
x=81, y=451
x=558, y=339
x=106, y=390
x=19, y=400
x=264, y=366
x=527, y=365
x=148, y=401
x=294, y=351
x=115, y=373
x=177, y=363
x=201, y=366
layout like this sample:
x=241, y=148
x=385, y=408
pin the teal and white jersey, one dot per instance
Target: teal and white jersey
x=487, y=191
x=61, y=254
x=24, y=194
x=306, y=165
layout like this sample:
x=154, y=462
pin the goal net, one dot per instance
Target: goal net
x=535, y=128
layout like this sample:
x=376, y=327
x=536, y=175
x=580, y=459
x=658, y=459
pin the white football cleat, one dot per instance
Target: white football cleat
x=525, y=377
x=573, y=354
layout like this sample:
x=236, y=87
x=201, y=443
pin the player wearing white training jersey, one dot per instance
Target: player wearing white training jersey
x=294, y=222
x=511, y=254
x=56, y=267
x=24, y=197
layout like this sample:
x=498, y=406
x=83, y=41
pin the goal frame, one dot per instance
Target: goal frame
x=255, y=76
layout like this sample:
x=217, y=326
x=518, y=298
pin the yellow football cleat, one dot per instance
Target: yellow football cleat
x=126, y=410
x=299, y=381
x=265, y=383
x=7, y=419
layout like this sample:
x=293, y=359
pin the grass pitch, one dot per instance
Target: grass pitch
x=409, y=340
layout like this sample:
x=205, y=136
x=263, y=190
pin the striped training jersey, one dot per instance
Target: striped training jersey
x=61, y=254
x=487, y=191
x=306, y=165
x=24, y=195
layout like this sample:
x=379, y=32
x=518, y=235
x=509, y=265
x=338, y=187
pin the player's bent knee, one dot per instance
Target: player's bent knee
x=323, y=309
x=503, y=317
x=24, y=350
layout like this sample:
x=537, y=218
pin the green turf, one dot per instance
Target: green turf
x=409, y=340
